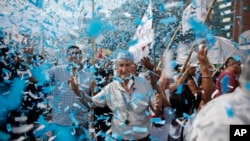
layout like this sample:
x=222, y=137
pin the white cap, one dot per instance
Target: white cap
x=193, y=65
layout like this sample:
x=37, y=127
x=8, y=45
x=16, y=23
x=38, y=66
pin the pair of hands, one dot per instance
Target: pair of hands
x=74, y=85
x=157, y=104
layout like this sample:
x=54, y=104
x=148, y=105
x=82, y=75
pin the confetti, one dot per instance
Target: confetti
x=179, y=89
x=49, y=25
x=22, y=129
x=229, y=110
x=140, y=129
x=224, y=84
x=4, y=136
x=247, y=86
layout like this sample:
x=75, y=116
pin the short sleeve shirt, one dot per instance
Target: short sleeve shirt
x=134, y=107
x=232, y=83
x=67, y=107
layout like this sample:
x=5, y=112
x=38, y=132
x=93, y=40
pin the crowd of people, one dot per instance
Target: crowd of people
x=117, y=101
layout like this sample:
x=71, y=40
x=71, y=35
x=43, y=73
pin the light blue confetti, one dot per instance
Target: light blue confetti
x=173, y=64
x=37, y=3
x=73, y=119
x=8, y=126
x=138, y=21
x=79, y=3
x=155, y=119
x=140, y=129
x=247, y=86
x=194, y=4
x=179, y=89
x=48, y=89
x=13, y=99
x=229, y=111
x=4, y=136
x=224, y=84
x=46, y=21
x=96, y=27
x=168, y=20
x=162, y=7
x=187, y=116
x=133, y=42
x=147, y=113
x=236, y=57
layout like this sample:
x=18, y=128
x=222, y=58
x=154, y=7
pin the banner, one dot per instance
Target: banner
x=223, y=48
x=217, y=53
x=197, y=10
x=144, y=34
x=183, y=52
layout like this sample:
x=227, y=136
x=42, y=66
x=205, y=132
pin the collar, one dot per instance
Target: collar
x=134, y=86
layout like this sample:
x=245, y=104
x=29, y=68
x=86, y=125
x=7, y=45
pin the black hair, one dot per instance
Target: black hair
x=72, y=47
x=227, y=63
x=105, y=71
x=182, y=102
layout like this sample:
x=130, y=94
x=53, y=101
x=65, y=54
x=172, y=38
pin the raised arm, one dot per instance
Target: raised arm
x=153, y=75
x=207, y=82
x=83, y=97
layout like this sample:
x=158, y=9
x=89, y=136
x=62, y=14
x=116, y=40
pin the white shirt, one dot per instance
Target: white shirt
x=113, y=96
x=213, y=121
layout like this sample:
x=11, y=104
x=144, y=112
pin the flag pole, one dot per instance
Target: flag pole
x=91, y=124
x=93, y=39
x=176, y=31
x=170, y=43
x=223, y=63
x=192, y=48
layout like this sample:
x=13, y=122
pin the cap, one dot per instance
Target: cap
x=125, y=55
x=193, y=65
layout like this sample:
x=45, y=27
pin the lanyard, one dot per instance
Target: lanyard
x=127, y=102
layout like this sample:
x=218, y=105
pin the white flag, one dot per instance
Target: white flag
x=197, y=10
x=144, y=34
x=222, y=49
x=183, y=52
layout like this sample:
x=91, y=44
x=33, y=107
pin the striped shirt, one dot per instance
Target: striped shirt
x=66, y=106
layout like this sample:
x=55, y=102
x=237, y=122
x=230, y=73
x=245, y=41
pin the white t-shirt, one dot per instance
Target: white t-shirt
x=213, y=121
x=114, y=96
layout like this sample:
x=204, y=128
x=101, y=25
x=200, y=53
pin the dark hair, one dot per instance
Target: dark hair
x=227, y=63
x=72, y=47
x=182, y=102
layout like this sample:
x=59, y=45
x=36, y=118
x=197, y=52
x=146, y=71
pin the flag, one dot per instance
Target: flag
x=217, y=53
x=144, y=35
x=223, y=48
x=196, y=10
x=182, y=54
